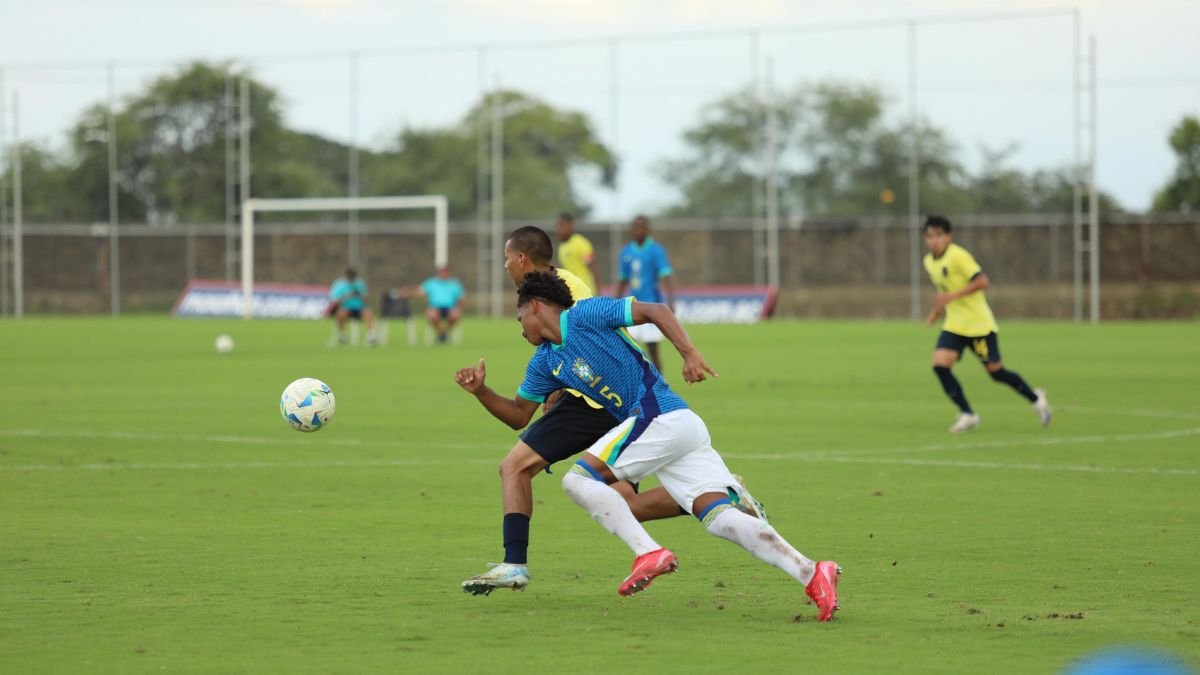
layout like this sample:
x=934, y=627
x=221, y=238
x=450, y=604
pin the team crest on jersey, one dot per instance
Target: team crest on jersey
x=582, y=369
x=945, y=271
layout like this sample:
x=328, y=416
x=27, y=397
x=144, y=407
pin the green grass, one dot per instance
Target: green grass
x=158, y=515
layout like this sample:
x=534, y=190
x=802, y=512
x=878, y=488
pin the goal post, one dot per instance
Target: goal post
x=441, y=225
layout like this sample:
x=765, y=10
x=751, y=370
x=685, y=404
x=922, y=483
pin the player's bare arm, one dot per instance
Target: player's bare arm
x=694, y=365
x=515, y=412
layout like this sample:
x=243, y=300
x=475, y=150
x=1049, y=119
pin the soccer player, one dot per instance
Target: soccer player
x=646, y=272
x=586, y=345
x=960, y=283
x=575, y=253
x=444, y=293
x=346, y=295
x=570, y=425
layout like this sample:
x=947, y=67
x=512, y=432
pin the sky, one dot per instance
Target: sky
x=999, y=75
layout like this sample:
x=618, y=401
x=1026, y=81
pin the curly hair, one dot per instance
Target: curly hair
x=544, y=286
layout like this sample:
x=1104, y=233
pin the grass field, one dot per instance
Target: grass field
x=159, y=515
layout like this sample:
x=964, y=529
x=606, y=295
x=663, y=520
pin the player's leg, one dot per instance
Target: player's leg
x=655, y=504
x=988, y=351
x=342, y=315
x=652, y=350
x=947, y=351
x=701, y=478
x=368, y=318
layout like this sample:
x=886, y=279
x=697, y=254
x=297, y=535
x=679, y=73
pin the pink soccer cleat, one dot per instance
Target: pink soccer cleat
x=645, y=568
x=823, y=589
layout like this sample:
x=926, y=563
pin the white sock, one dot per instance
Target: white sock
x=608, y=508
x=763, y=542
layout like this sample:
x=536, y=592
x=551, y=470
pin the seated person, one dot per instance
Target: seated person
x=444, y=293
x=347, y=300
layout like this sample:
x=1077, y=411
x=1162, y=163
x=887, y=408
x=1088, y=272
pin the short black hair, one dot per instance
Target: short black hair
x=533, y=242
x=566, y=215
x=351, y=272
x=544, y=286
x=940, y=222
x=641, y=216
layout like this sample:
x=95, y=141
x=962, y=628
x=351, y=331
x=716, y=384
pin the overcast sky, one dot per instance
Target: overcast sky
x=988, y=83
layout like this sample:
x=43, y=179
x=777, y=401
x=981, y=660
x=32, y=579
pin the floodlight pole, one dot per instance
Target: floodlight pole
x=3, y=200
x=757, y=152
x=230, y=196
x=247, y=259
x=114, y=236
x=481, y=158
x=18, y=225
x=914, y=181
x=352, y=169
x=614, y=229
x=497, y=242
x=1093, y=201
x=772, y=224
x=1076, y=178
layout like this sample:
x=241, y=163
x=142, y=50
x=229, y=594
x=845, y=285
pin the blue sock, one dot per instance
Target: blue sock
x=1016, y=382
x=952, y=388
x=516, y=538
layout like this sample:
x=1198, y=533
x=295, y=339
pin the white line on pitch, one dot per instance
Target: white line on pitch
x=994, y=465
x=250, y=440
x=980, y=445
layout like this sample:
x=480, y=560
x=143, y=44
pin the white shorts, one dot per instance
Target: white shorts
x=675, y=448
x=645, y=333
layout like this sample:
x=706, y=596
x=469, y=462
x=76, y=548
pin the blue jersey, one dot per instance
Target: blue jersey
x=642, y=266
x=442, y=293
x=597, y=357
x=349, y=294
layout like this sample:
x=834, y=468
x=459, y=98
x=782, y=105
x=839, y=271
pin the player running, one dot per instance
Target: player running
x=586, y=345
x=646, y=272
x=571, y=424
x=960, y=282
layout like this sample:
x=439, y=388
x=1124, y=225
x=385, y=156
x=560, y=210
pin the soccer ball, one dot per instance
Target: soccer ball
x=307, y=404
x=224, y=344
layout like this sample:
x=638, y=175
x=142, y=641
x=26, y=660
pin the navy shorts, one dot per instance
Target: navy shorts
x=354, y=314
x=567, y=429
x=444, y=312
x=987, y=348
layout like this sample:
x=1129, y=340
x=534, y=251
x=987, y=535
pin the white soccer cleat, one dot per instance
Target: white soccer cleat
x=964, y=423
x=502, y=575
x=1042, y=407
x=745, y=502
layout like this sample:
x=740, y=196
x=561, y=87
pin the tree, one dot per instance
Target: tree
x=1182, y=192
x=548, y=153
x=838, y=155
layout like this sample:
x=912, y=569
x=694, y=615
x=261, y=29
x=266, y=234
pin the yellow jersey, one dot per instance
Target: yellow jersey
x=575, y=255
x=579, y=291
x=970, y=315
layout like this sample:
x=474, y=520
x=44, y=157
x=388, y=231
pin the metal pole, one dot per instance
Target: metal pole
x=230, y=197
x=1076, y=178
x=772, y=225
x=1093, y=201
x=497, y=190
x=757, y=153
x=244, y=174
x=247, y=259
x=352, y=180
x=614, y=227
x=482, y=255
x=3, y=199
x=914, y=180
x=18, y=226
x=114, y=236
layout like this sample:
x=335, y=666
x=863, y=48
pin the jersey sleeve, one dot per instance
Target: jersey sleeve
x=664, y=263
x=603, y=313
x=337, y=290
x=965, y=262
x=586, y=252
x=537, y=383
x=624, y=270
